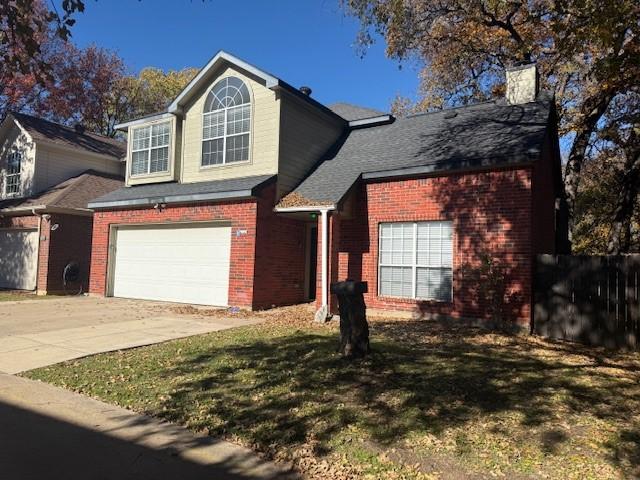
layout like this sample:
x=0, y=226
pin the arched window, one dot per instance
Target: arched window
x=226, y=123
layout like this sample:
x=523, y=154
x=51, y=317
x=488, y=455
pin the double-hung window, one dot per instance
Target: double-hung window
x=150, y=149
x=12, y=176
x=416, y=260
x=226, y=123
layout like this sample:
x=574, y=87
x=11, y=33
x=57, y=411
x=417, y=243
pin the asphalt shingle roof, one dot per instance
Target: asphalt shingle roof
x=75, y=192
x=174, y=192
x=352, y=112
x=45, y=130
x=487, y=134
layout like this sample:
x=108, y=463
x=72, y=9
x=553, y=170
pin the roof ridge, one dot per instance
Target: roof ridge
x=99, y=136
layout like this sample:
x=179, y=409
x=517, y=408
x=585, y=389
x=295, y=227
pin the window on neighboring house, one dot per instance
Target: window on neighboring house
x=416, y=260
x=226, y=123
x=12, y=177
x=150, y=149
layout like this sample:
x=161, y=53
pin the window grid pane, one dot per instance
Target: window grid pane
x=226, y=123
x=150, y=149
x=416, y=260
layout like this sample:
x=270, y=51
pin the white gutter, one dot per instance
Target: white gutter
x=317, y=208
x=324, y=217
x=325, y=253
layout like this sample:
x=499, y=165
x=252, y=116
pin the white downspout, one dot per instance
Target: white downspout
x=325, y=253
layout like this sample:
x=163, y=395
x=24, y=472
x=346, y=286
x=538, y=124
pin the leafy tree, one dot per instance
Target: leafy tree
x=23, y=26
x=587, y=51
x=152, y=90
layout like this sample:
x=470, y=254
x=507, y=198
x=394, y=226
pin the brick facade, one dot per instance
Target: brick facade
x=492, y=215
x=70, y=241
x=267, y=251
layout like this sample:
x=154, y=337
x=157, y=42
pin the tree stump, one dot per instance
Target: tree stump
x=354, y=329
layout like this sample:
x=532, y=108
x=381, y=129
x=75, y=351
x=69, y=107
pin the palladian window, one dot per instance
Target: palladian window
x=226, y=123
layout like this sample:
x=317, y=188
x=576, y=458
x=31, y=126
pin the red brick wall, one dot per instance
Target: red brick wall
x=492, y=216
x=280, y=256
x=544, y=201
x=71, y=241
x=242, y=216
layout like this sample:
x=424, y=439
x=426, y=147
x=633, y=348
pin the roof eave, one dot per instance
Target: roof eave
x=153, y=200
x=270, y=81
x=139, y=121
x=371, y=122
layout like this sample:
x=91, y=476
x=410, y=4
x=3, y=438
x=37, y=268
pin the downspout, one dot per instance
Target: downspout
x=325, y=264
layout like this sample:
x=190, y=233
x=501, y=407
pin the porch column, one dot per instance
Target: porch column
x=325, y=263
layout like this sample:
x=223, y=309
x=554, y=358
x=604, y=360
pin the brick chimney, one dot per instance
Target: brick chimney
x=522, y=83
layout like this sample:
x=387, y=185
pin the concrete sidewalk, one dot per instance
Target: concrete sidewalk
x=47, y=432
x=43, y=332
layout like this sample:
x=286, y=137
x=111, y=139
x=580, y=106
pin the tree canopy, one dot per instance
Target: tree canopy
x=587, y=52
x=45, y=74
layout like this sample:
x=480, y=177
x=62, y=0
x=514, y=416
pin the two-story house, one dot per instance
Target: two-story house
x=48, y=174
x=248, y=192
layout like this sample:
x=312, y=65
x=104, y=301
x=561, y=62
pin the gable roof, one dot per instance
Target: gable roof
x=202, y=79
x=173, y=192
x=44, y=130
x=352, y=112
x=73, y=193
x=488, y=134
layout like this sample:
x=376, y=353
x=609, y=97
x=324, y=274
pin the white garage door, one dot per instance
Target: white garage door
x=18, y=259
x=188, y=264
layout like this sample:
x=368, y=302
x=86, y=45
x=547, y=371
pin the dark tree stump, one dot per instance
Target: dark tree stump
x=354, y=329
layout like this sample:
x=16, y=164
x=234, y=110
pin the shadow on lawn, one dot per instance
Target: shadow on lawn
x=293, y=388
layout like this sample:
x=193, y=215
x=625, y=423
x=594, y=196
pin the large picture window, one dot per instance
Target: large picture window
x=150, y=149
x=12, y=176
x=416, y=260
x=226, y=123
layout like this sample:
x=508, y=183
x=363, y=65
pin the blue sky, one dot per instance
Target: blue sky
x=304, y=42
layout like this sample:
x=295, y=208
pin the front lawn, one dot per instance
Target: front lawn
x=430, y=402
x=13, y=296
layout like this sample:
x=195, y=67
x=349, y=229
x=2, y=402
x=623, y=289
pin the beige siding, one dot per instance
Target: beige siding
x=174, y=152
x=16, y=139
x=55, y=165
x=265, y=118
x=306, y=135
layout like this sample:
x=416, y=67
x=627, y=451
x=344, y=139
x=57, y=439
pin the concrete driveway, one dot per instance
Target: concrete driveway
x=36, y=333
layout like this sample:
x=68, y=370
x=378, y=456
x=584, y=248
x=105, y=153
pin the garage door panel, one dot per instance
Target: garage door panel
x=178, y=264
x=18, y=259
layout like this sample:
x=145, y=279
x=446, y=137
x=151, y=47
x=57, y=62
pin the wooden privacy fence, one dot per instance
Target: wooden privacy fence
x=593, y=300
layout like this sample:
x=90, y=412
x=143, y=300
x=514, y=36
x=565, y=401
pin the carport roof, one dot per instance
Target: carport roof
x=173, y=192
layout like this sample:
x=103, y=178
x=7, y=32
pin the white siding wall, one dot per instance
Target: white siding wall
x=265, y=125
x=306, y=135
x=55, y=165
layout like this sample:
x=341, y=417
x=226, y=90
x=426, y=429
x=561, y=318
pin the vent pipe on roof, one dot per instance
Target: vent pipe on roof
x=306, y=91
x=79, y=128
x=522, y=83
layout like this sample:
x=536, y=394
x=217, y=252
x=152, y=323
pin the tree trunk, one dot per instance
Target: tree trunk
x=354, y=329
x=620, y=241
x=592, y=110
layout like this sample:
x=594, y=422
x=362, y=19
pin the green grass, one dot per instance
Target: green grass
x=12, y=296
x=428, y=403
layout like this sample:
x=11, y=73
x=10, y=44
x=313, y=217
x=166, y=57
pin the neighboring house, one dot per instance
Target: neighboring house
x=48, y=174
x=230, y=193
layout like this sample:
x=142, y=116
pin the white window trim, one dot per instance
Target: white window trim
x=414, y=265
x=8, y=175
x=225, y=135
x=149, y=148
